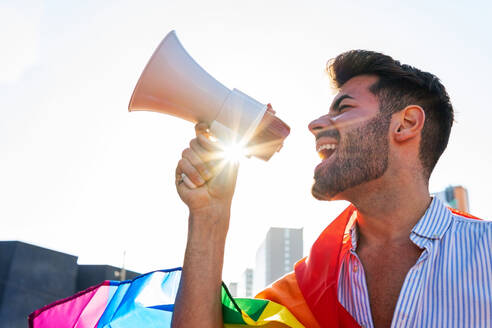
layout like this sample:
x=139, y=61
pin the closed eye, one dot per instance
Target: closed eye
x=344, y=107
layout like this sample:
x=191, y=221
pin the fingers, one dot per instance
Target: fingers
x=183, y=178
x=191, y=177
x=205, y=138
x=207, y=148
x=207, y=155
x=201, y=161
x=197, y=162
x=270, y=109
x=208, y=142
x=201, y=128
x=188, y=182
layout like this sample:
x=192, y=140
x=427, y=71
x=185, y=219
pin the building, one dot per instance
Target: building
x=455, y=197
x=32, y=276
x=245, y=285
x=276, y=256
x=232, y=287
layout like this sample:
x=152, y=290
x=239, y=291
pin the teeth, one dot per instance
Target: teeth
x=327, y=146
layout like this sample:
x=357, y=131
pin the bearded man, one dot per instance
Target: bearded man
x=396, y=257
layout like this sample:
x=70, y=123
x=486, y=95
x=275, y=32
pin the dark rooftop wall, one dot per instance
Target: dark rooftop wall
x=90, y=275
x=6, y=254
x=32, y=277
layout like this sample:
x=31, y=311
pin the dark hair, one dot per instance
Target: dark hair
x=400, y=85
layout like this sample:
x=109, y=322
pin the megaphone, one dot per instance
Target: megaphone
x=173, y=83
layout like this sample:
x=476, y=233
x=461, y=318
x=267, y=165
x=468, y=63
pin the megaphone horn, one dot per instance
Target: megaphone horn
x=173, y=83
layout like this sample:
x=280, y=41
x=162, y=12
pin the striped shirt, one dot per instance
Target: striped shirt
x=449, y=285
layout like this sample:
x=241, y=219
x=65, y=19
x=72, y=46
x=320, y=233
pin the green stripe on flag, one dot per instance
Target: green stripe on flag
x=231, y=308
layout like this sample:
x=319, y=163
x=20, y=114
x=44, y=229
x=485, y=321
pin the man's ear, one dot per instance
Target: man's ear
x=409, y=123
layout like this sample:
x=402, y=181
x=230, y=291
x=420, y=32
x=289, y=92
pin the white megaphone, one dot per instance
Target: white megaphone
x=173, y=83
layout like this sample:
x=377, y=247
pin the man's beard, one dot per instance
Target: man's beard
x=361, y=156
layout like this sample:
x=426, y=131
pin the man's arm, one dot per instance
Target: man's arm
x=207, y=189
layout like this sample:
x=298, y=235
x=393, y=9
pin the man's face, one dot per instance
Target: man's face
x=352, y=140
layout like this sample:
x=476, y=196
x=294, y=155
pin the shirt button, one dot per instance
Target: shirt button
x=356, y=268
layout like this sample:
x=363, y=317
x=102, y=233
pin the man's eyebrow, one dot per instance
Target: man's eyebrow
x=339, y=100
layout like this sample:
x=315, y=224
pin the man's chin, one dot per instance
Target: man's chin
x=321, y=195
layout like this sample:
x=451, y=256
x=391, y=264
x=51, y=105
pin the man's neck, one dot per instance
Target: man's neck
x=387, y=214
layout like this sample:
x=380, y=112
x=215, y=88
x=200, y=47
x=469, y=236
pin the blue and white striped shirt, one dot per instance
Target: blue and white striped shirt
x=450, y=285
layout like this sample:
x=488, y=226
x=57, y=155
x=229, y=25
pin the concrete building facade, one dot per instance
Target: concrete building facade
x=276, y=256
x=245, y=285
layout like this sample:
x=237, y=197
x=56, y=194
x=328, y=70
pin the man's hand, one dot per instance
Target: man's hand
x=205, y=182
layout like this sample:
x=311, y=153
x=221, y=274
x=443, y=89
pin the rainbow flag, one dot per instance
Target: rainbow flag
x=148, y=301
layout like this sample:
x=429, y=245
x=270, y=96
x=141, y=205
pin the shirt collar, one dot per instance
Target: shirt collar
x=431, y=226
x=354, y=233
x=351, y=234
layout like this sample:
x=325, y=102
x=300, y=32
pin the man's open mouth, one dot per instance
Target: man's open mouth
x=326, y=150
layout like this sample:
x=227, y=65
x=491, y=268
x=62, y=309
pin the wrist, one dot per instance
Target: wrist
x=214, y=213
x=212, y=222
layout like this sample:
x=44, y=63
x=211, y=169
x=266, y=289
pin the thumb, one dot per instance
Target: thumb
x=224, y=183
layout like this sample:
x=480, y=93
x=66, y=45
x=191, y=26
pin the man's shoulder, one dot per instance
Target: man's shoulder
x=464, y=215
x=470, y=221
x=471, y=227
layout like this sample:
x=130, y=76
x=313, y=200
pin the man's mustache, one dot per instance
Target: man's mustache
x=331, y=133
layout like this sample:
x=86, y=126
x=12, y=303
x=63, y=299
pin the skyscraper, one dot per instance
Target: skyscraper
x=245, y=285
x=232, y=287
x=276, y=256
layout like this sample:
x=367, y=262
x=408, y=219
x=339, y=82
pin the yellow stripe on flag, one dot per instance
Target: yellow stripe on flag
x=273, y=316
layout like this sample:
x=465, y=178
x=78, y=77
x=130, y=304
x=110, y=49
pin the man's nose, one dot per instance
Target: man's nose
x=320, y=124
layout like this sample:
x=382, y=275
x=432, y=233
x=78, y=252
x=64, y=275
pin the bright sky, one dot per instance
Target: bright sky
x=81, y=175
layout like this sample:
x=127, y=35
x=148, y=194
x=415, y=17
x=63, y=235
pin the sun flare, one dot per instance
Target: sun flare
x=233, y=152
